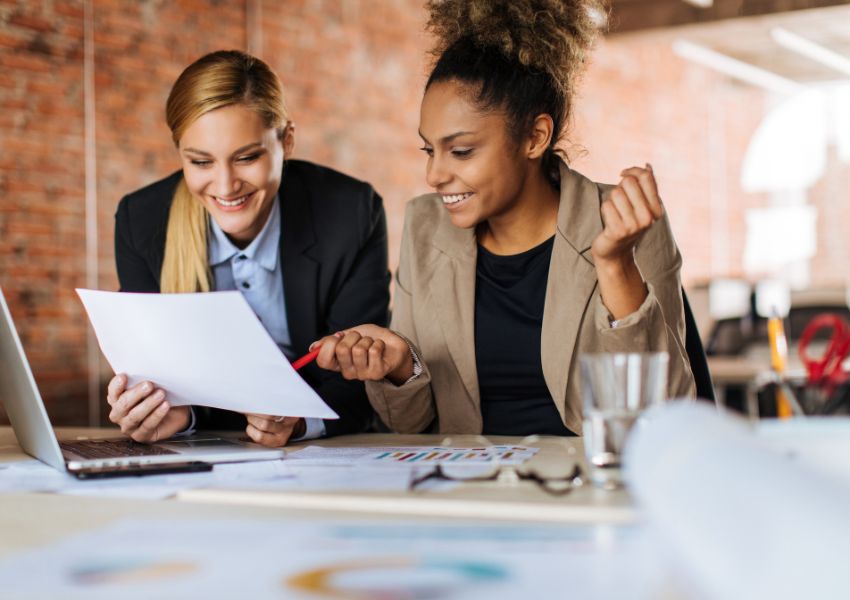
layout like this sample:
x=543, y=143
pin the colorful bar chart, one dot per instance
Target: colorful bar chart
x=509, y=455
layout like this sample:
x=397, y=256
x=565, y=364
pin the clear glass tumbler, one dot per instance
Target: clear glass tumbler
x=617, y=388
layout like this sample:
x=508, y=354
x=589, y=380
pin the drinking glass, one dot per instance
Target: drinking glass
x=617, y=388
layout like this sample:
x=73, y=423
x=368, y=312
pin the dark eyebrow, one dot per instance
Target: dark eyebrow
x=237, y=151
x=448, y=138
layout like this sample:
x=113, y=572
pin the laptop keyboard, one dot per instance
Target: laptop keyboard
x=113, y=448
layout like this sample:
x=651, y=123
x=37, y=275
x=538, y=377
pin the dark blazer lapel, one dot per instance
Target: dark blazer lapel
x=453, y=294
x=571, y=281
x=300, y=271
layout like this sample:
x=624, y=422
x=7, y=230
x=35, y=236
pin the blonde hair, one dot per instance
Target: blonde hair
x=216, y=80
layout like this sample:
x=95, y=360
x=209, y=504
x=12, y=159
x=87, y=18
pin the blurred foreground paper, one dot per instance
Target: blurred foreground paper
x=311, y=559
x=205, y=349
x=747, y=519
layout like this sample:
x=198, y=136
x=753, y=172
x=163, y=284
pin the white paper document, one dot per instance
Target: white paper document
x=286, y=475
x=745, y=517
x=414, y=456
x=311, y=560
x=205, y=349
x=266, y=475
x=35, y=476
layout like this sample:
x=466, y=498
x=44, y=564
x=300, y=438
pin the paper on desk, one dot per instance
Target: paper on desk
x=414, y=456
x=289, y=475
x=35, y=476
x=820, y=443
x=750, y=521
x=205, y=349
x=311, y=558
x=271, y=475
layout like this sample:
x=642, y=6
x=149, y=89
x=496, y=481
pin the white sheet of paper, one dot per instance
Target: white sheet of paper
x=750, y=521
x=35, y=476
x=289, y=475
x=310, y=559
x=412, y=456
x=205, y=349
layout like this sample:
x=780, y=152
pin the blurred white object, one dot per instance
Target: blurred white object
x=743, y=71
x=778, y=236
x=728, y=298
x=819, y=443
x=810, y=49
x=789, y=149
x=773, y=298
x=840, y=99
x=746, y=521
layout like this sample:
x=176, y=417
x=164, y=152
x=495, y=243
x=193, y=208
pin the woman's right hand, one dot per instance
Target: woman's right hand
x=367, y=353
x=142, y=411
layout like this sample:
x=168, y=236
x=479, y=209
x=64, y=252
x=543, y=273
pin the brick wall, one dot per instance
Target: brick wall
x=42, y=228
x=640, y=103
x=353, y=72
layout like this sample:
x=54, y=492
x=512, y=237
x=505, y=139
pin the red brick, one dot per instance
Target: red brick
x=31, y=22
x=25, y=62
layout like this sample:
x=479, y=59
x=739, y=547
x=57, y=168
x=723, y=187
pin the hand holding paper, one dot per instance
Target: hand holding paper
x=203, y=349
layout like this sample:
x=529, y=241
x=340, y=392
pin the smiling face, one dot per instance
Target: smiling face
x=473, y=163
x=232, y=164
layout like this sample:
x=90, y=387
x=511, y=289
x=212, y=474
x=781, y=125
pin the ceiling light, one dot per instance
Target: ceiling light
x=735, y=68
x=811, y=50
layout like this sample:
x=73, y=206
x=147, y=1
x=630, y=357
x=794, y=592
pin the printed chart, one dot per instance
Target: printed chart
x=408, y=578
x=506, y=455
x=128, y=571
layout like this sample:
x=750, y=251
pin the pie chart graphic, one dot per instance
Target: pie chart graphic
x=397, y=578
x=129, y=571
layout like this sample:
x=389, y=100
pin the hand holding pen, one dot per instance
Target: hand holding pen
x=366, y=353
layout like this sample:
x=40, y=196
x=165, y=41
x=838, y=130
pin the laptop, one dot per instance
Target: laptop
x=109, y=456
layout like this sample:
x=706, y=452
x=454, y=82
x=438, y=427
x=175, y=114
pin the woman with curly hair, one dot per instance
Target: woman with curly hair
x=517, y=264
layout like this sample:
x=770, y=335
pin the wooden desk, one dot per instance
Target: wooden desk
x=524, y=501
x=30, y=521
x=33, y=519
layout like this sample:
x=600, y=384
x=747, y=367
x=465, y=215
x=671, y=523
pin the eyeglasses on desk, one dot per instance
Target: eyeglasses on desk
x=492, y=468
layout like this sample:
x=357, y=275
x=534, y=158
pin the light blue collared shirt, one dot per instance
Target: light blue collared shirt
x=256, y=272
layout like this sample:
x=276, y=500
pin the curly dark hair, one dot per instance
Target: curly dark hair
x=523, y=57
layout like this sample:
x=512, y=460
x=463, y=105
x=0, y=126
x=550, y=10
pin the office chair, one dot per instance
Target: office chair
x=696, y=354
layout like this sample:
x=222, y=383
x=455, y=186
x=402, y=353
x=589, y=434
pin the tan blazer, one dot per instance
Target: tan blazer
x=435, y=301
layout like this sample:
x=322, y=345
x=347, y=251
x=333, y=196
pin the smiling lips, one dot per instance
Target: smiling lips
x=455, y=198
x=234, y=203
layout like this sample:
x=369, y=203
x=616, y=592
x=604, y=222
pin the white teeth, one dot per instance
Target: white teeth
x=231, y=203
x=455, y=198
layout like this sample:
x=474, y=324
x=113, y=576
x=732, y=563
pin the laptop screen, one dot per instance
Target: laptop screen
x=20, y=397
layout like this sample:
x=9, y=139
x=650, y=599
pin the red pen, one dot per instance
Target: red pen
x=306, y=359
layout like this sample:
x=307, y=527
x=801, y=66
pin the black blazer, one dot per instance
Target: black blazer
x=334, y=259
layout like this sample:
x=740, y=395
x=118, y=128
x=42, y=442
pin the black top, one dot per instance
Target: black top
x=333, y=249
x=510, y=292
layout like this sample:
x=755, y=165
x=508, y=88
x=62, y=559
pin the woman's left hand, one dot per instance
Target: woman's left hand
x=630, y=209
x=272, y=431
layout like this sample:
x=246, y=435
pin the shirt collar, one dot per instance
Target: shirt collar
x=264, y=249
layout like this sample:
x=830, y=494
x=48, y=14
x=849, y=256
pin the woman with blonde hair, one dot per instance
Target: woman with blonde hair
x=305, y=245
x=517, y=264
